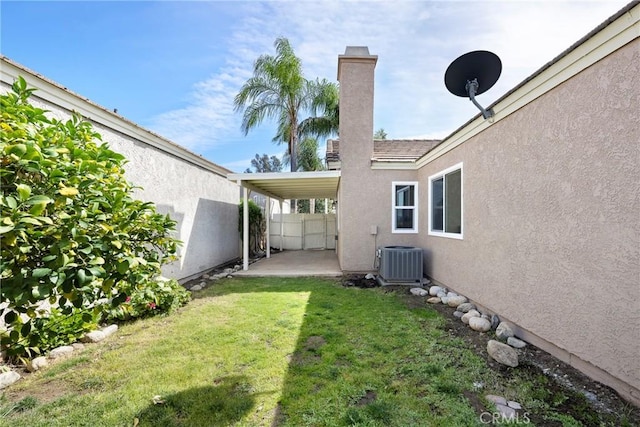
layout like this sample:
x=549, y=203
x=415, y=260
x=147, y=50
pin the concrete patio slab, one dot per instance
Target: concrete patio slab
x=296, y=264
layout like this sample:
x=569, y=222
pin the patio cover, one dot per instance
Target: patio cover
x=291, y=185
x=282, y=186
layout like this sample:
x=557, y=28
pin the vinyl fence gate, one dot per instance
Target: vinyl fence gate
x=303, y=231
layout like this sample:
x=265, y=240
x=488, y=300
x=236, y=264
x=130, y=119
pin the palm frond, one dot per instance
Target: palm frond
x=279, y=91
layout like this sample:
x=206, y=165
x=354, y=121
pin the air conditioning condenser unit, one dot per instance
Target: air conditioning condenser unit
x=399, y=265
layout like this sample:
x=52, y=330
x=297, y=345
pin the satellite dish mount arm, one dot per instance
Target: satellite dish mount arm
x=472, y=88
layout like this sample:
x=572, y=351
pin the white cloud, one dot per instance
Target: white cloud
x=415, y=42
x=208, y=120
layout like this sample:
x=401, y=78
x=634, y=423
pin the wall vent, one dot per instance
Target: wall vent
x=400, y=264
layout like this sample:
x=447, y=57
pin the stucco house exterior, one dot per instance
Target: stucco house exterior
x=533, y=215
x=193, y=190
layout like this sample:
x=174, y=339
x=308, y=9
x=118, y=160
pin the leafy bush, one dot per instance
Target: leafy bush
x=149, y=299
x=256, y=225
x=54, y=328
x=71, y=231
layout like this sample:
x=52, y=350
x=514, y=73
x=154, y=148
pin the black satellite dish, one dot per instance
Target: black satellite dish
x=472, y=74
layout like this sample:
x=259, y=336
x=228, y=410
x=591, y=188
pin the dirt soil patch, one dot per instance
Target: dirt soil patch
x=369, y=397
x=564, y=380
x=45, y=393
x=314, y=342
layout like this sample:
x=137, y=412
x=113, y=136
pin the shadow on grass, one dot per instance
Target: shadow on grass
x=250, y=285
x=221, y=404
x=357, y=360
x=329, y=360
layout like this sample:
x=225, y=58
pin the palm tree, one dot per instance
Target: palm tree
x=325, y=110
x=324, y=122
x=279, y=91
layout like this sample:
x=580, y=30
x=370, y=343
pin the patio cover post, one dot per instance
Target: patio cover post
x=281, y=225
x=245, y=230
x=268, y=212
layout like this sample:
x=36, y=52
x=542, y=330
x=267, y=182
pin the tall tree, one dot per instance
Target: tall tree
x=277, y=90
x=324, y=121
x=309, y=160
x=265, y=163
x=380, y=134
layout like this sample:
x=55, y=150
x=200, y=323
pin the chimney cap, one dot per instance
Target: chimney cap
x=356, y=51
x=356, y=54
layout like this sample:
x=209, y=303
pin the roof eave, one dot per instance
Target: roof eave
x=56, y=94
x=393, y=165
x=609, y=36
x=291, y=185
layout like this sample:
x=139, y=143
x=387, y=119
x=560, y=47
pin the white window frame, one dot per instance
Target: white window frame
x=394, y=228
x=434, y=177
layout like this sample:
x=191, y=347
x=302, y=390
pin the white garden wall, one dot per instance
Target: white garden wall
x=194, y=191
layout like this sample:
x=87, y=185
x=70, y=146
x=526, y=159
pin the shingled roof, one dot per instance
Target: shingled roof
x=388, y=150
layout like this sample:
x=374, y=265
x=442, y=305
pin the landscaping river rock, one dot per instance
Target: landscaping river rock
x=502, y=353
x=504, y=331
x=8, y=378
x=479, y=324
x=468, y=313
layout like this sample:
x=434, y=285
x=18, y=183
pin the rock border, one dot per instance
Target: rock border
x=469, y=314
x=12, y=376
x=209, y=278
x=503, y=349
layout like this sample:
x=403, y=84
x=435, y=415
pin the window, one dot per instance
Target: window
x=405, y=207
x=445, y=203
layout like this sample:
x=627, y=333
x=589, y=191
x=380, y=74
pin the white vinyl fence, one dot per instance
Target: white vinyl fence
x=303, y=231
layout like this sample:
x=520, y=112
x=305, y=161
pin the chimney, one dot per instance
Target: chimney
x=356, y=76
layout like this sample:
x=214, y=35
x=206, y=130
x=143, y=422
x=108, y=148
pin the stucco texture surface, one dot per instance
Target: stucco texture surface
x=552, y=217
x=365, y=195
x=204, y=204
x=371, y=207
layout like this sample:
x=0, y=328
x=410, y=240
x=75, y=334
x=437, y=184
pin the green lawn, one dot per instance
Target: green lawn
x=276, y=351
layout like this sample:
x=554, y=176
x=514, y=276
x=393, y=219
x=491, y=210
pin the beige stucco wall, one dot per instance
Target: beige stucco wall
x=364, y=195
x=552, y=220
x=371, y=207
x=204, y=204
x=203, y=201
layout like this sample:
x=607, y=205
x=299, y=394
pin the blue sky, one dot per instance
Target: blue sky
x=175, y=66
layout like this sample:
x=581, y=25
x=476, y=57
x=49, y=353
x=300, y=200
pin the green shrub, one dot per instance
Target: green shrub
x=149, y=299
x=55, y=328
x=71, y=231
x=256, y=226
